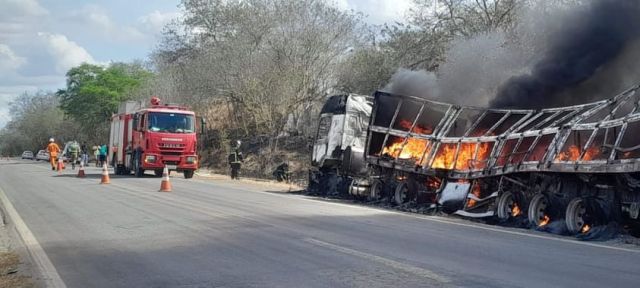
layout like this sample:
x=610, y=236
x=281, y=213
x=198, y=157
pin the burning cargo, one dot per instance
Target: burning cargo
x=579, y=164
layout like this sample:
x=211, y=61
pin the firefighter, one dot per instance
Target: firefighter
x=53, y=150
x=282, y=172
x=74, y=152
x=235, y=160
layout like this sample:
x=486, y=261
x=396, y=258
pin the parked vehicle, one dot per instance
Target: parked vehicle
x=151, y=138
x=42, y=155
x=27, y=155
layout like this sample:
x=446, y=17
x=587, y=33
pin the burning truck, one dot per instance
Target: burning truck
x=338, y=156
x=577, y=165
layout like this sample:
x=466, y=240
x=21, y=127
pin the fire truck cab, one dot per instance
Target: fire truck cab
x=153, y=137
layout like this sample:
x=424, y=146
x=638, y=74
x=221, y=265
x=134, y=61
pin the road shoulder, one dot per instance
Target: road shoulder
x=28, y=264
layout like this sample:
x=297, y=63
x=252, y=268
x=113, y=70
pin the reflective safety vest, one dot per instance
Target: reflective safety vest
x=53, y=149
x=235, y=157
x=74, y=148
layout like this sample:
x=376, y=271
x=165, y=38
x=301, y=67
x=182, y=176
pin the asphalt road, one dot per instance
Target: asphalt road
x=225, y=234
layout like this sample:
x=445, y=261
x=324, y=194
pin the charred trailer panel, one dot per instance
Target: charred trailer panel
x=577, y=164
x=338, y=149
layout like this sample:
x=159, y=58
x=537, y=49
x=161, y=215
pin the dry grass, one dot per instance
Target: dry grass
x=266, y=184
x=9, y=272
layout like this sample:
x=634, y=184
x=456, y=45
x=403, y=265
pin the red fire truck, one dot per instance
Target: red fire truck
x=150, y=138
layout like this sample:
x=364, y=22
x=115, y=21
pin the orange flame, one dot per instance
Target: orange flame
x=475, y=190
x=545, y=221
x=585, y=228
x=416, y=149
x=573, y=154
x=433, y=183
x=445, y=157
x=515, y=210
x=413, y=149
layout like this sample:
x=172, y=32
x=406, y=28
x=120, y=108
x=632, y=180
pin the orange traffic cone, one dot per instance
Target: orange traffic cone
x=165, y=186
x=105, y=175
x=81, y=170
x=60, y=165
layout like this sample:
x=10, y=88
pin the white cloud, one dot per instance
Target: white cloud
x=20, y=8
x=97, y=17
x=9, y=61
x=378, y=11
x=66, y=53
x=156, y=20
x=17, y=17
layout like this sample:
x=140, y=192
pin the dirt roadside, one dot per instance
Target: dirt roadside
x=15, y=267
x=270, y=185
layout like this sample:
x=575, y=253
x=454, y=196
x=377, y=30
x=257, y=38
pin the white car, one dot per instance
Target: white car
x=27, y=155
x=42, y=155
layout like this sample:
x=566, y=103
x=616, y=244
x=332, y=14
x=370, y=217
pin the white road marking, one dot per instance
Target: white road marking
x=421, y=272
x=48, y=271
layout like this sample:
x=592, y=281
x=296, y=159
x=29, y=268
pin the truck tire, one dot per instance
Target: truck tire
x=188, y=174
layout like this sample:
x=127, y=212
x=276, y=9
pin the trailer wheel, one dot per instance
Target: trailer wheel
x=188, y=174
x=538, y=210
x=577, y=217
x=508, y=206
x=401, y=194
x=375, y=191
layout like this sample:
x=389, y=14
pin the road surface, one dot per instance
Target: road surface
x=226, y=234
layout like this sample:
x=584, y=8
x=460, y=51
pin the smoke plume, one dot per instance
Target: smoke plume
x=415, y=83
x=557, y=54
x=588, y=40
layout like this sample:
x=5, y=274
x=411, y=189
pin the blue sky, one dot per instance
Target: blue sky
x=41, y=39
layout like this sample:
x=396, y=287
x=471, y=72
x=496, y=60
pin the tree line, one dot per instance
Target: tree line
x=256, y=70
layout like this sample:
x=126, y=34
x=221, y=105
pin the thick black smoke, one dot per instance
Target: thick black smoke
x=586, y=43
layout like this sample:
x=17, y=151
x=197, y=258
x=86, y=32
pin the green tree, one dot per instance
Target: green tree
x=35, y=118
x=93, y=93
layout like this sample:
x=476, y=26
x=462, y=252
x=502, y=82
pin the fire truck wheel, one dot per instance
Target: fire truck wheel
x=188, y=174
x=119, y=170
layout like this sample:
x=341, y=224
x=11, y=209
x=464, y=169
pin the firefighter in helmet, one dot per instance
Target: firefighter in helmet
x=235, y=160
x=53, y=150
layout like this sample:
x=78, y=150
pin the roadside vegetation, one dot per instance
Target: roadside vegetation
x=9, y=268
x=257, y=71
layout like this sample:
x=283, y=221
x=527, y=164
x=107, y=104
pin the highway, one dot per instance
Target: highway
x=219, y=233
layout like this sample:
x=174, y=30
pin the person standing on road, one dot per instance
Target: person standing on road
x=74, y=152
x=103, y=154
x=235, y=160
x=96, y=155
x=84, y=154
x=53, y=150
